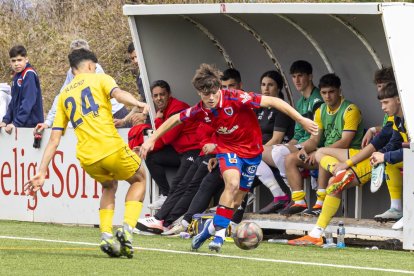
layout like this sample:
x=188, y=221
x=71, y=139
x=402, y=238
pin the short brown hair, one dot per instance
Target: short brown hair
x=390, y=90
x=384, y=75
x=206, y=78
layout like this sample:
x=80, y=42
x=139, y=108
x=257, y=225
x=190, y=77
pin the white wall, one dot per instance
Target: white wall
x=69, y=194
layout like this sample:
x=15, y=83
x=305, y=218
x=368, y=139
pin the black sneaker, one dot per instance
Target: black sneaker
x=315, y=211
x=293, y=209
x=273, y=207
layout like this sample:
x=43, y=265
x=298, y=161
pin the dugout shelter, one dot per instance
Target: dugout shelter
x=351, y=39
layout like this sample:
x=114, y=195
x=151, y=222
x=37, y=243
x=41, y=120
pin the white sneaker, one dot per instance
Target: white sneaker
x=377, y=177
x=399, y=224
x=150, y=224
x=158, y=203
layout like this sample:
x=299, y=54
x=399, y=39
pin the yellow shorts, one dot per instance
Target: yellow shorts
x=120, y=165
x=363, y=169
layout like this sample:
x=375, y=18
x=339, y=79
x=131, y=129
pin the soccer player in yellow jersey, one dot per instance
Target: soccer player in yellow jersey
x=85, y=102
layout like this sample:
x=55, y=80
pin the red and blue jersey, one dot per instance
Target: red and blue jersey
x=233, y=120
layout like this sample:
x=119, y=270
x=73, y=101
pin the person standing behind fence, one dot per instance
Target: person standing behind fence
x=101, y=151
x=26, y=107
x=118, y=110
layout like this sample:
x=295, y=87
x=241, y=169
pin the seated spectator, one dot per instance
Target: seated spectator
x=309, y=102
x=277, y=128
x=5, y=99
x=352, y=167
x=340, y=126
x=393, y=176
x=119, y=111
x=26, y=107
x=178, y=148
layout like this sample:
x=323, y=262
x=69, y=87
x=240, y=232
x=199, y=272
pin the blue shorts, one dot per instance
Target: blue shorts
x=246, y=166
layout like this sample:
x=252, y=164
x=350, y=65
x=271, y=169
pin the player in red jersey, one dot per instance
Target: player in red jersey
x=239, y=142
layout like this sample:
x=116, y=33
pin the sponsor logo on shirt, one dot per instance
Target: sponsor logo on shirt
x=225, y=130
x=246, y=97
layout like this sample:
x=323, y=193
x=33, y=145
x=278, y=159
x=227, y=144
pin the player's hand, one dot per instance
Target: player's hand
x=40, y=127
x=138, y=118
x=367, y=138
x=2, y=124
x=146, y=147
x=34, y=184
x=212, y=163
x=9, y=128
x=209, y=148
x=136, y=149
x=338, y=167
x=311, y=160
x=145, y=108
x=119, y=122
x=310, y=126
x=159, y=114
x=376, y=158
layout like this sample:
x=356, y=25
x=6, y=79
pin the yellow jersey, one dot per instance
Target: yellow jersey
x=85, y=102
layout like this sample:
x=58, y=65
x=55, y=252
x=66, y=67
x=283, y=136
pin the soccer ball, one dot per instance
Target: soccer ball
x=248, y=235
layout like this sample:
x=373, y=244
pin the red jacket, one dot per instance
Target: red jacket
x=182, y=137
x=136, y=135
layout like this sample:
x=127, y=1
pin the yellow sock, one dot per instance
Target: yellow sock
x=105, y=218
x=132, y=212
x=320, y=196
x=394, y=180
x=298, y=197
x=329, y=209
x=328, y=162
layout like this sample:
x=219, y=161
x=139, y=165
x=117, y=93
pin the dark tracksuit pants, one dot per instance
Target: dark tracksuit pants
x=182, y=194
x=211, y=184
x=167, y=157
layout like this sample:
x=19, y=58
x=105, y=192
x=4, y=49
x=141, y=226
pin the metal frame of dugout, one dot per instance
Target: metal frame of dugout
x=350, y=39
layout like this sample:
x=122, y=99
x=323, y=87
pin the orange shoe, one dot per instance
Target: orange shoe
x=307, y=240
x=340, y=181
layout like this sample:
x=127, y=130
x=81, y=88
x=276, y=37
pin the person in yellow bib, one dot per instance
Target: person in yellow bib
x=102, y=153
x=352, y=167
x=340, y=126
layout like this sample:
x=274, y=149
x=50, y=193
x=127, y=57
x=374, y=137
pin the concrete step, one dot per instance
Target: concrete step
x=354, y=228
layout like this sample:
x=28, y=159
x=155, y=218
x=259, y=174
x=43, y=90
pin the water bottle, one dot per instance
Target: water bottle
x=340, y=235
x=329, y=241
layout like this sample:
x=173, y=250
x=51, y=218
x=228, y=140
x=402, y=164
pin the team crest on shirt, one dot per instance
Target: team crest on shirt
x=228, y=110
x=207, y=119
x=245, y=96
x=19, y=82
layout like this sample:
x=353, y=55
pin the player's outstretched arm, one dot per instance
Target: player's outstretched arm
x=127, y=99
x=37, y=181
x=309, y=125
x=166, y=126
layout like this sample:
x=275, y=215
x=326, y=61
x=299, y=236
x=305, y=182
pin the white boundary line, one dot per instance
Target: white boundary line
x=224, y=256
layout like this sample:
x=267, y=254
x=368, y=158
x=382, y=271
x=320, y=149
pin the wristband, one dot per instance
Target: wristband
x=349, y=163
